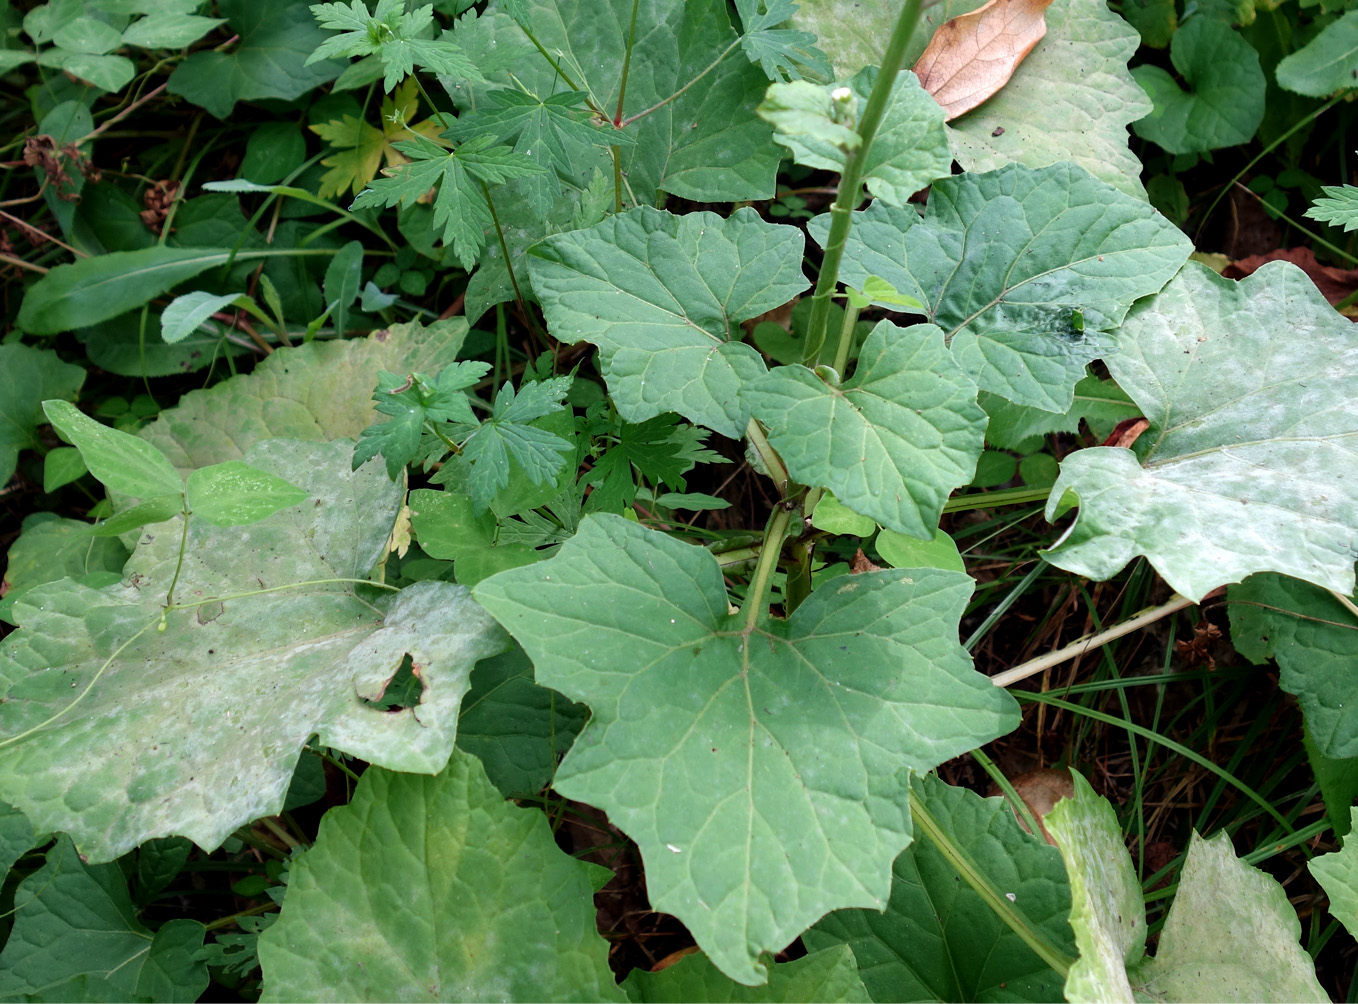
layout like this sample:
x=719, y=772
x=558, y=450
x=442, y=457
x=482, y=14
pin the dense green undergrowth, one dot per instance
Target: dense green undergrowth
x=450, y=448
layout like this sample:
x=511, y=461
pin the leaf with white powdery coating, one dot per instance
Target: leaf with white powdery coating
x=465, y=897
x=662, y=296
x=762, y=770
x=1071, y=99
x=196, y=730
x=891, y=443
x=1026, y=271
x=1231, y=934
x=1250, y=463
x=978, y=956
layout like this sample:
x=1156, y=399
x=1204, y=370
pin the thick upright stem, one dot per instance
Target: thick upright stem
x=756, y=597
x=852, y=179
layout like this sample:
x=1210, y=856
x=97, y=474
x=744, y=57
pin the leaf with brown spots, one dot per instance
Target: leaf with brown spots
x=974, y=55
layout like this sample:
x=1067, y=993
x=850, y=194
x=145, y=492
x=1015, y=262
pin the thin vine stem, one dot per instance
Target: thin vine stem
x=679, y=93
x=851, y=180
x=1008, y=912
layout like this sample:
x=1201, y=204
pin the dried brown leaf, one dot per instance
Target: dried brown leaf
x=974, y=55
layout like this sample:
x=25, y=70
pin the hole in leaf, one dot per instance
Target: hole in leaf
x=404, y=690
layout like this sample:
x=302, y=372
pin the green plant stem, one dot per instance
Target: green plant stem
x=509, y=267
x=179, y=564
x=1016, y=802
x=989, y=500
x=280, y=833
x=626, y=63
x=798, y=586
x=1293, y=223
x=845, y=338
x=254, y=911
x=679, y=93
x=772, y=462
x=757, y=594
x=851, y=179
x=1033, y=937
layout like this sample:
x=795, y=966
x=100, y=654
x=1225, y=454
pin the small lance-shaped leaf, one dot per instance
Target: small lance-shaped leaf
x=1225, y=101
x=1024, y=270
x=233, y=494
x=122, y=462
x=909, y=150
x=828, y=975
x=1250, y=460
x=1071, y=99
x=1337, y=873
x=319, y=391
x=343, y=276
x=891, y=443
x=1327, y=63
x=184, y=315
x=974, y=55
x=75, y=924
x=762, y=770
x=115, y=732
x=1314, y=638
x=29, y=376
x=662, y=297
x=465, y=897
x=972, y=954
x=1231, y=934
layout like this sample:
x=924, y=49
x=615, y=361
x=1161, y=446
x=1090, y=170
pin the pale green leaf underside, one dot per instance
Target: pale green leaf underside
x=195, y=730
x=75, y=924
x=1339, y=208
x=763, y=774
x=662, y=297
x=1314, y=638
x=829, y=975
x=463, y=897
x=1071, y=99
x=1337, y=873
x=1005, y=261
x=1231, y=934
x=938, y=940
x=317, y=392
x=1327, y=63
x=1250, y=459
x=893, y=442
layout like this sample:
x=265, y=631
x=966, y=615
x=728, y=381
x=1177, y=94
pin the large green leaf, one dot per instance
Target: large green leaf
x=462, y=897
x=662, y=297
x=318, y=392
x=1026, y=271
x=1327, y=63
x=116, y=732
x=516, y=728
x=29, y=376
x=909, y=149
x=1225, y=101
x=1314, y=637
x=97, y=288
x=268, y=61
x=707, y=144
x=891, y=443
x=16, y=836
x=829, y=975
x=938, y=940
x=1231, y=934
x=761, y=769
x=75, y=924
x=50, y=548
x=1337, y=873
x=1247, y=464
x=1071, y=99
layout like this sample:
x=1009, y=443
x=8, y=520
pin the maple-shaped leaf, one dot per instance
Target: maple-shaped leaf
x=658, y=448
x=460, y=206
x=544, y=131
x=762, y=767
x=508, y=432
x=972, y=56
x=360, y=148
x=1339, y=208
x=782, y=53
x=392, y=33
x=411, y=401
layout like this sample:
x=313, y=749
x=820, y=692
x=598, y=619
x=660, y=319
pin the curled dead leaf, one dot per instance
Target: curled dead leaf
x=974, y=55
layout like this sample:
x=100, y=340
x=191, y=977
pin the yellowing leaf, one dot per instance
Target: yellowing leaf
x=360, y=148
x=974, y=55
